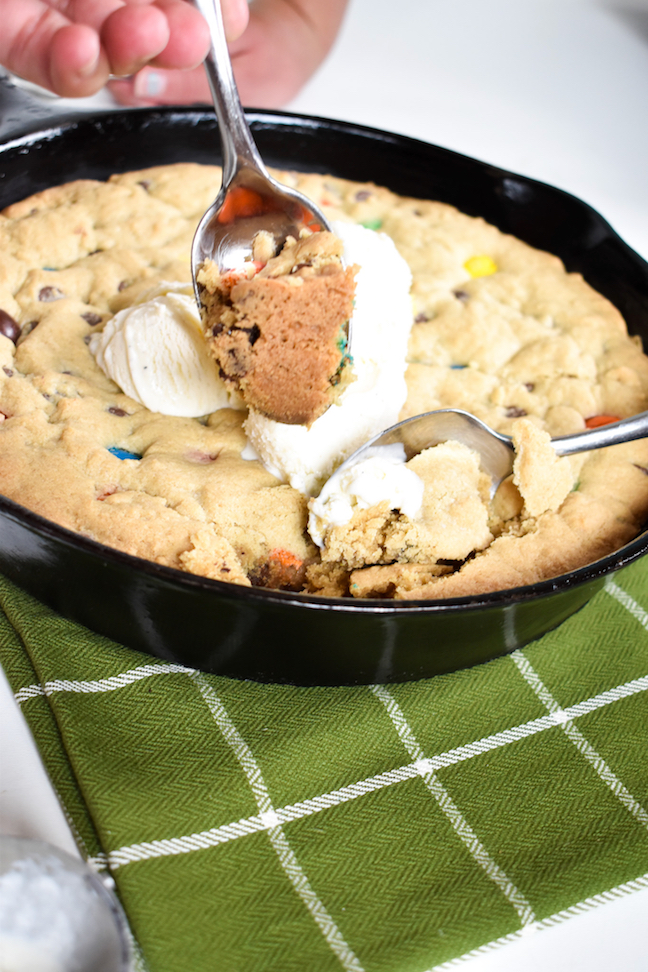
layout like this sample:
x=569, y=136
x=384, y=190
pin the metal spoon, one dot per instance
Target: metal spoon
x=250, y=200
x=496, y=450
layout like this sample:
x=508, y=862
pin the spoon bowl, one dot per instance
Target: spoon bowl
x=244, y=207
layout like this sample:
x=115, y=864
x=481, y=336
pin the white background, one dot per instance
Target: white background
x=553, y=89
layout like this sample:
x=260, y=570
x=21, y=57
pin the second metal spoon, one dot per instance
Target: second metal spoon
x=496, y=450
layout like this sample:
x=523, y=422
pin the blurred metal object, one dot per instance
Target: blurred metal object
x=69, y=916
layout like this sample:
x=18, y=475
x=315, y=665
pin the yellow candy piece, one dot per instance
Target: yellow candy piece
x=480, y=266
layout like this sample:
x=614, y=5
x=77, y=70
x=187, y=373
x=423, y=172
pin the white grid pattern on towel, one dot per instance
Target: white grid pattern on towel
x=460, y=824
x=287, y=857
x=559, y=918
x=272, y=820
x=111, y=684
x=146, y=850
x=578, y=739
x=629, y=603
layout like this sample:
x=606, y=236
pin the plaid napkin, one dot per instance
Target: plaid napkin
x=265, y=827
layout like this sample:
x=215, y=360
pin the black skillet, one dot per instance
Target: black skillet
x=271, y=635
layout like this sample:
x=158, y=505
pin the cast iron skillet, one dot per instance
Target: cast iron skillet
x=271, y=635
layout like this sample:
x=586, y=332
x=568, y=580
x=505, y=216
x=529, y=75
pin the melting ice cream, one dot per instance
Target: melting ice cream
x=155, y=351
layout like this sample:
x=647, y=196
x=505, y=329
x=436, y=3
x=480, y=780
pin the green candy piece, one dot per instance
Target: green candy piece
x=372, y=224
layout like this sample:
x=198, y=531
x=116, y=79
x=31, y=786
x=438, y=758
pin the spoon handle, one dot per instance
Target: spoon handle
x=239, y=149
x=635, y=427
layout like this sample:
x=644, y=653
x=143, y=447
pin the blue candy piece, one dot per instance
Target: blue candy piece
x=458, y=367
x=123, y=453
x=342, y=339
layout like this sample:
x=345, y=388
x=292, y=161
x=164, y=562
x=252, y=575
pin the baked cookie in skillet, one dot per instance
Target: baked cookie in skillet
x=498, y=329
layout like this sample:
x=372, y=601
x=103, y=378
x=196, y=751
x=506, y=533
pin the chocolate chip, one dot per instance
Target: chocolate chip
x=363, y=194
x=123, y=284
x=91, y=318
x=529, y=385
x=145, y=184
x=8, y=372
x=50, y=293
x=461, y=295
x=421, y=318
x=86, y=339
x=254, y=334
x=9, y=327
x=114, y=410
x=512, y=411
x=236, y=364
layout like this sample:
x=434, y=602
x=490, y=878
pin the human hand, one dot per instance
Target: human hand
x=284, y=43
x=72, y=47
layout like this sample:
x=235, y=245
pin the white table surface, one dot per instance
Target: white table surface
x=553, y=89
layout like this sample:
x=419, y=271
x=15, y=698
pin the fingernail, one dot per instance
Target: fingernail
x=149, y=84
x=89, y=69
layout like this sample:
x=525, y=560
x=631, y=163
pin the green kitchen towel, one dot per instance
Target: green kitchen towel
x=256, y=827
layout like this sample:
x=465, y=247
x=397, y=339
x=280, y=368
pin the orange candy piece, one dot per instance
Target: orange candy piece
x=240, y=202
x=285, y=558
x=595, y=421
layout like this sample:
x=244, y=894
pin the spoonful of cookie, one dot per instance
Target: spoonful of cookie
x=275, y=296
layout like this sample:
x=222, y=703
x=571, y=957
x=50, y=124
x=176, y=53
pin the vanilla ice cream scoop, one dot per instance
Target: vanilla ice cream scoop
x=156, y=352
x=381, y=475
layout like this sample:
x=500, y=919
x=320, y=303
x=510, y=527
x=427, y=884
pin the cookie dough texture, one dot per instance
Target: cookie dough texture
x=542, y=478
x=523, y=340
x=451, y=524
x=279, y=336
